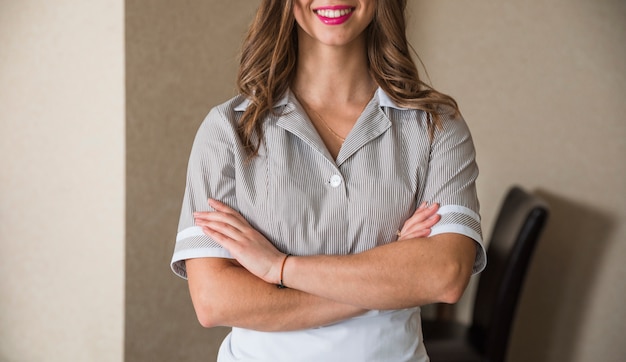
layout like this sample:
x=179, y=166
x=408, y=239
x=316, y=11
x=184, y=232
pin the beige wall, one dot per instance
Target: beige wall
x=180, y=61
x=61, y=180
x=541, y=85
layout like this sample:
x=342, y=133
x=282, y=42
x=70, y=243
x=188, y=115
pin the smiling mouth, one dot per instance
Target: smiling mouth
x=333, y=13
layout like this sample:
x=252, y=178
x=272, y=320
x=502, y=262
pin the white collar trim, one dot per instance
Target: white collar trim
x=282, y=102
x=385, y=101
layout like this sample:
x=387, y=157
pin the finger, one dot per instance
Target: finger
x=427, y=211
x=219, y=206
x=426, y=224
x=202, y=215
x=222, y=207
x=216, y=216
x=226, y=230
x=415, y=234
x=424, y=211
x=423, y=225
x=420, y=210
x=223, y=240
x=421, y=214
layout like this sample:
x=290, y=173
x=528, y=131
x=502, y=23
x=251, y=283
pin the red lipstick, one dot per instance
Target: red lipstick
x=334, y=15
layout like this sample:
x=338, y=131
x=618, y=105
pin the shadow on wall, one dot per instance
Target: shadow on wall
x=560, y=282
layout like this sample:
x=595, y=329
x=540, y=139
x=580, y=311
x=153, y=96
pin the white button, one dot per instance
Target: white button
x=335, y=180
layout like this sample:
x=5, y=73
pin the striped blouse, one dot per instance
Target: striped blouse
x=307, y=203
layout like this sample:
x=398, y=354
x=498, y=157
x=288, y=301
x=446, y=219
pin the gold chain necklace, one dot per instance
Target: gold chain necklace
x=308, y=108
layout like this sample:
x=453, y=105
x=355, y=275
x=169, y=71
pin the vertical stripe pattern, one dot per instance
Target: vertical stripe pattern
x=308, y=203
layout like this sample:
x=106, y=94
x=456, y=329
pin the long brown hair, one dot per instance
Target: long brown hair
x=269, y=59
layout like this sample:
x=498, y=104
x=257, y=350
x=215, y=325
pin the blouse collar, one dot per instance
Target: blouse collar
x=383, y=100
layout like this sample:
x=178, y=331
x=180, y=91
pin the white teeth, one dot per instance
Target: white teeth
x=328, y=13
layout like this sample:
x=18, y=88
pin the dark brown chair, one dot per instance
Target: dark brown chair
x=519, y=224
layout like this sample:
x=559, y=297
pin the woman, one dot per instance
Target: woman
x=314, y=175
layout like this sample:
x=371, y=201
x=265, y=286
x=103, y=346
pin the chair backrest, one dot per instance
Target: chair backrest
x=519, y=224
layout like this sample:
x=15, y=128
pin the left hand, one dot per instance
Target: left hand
x=420, y=223
x=233, y=232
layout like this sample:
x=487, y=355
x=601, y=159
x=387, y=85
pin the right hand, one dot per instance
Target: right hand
x=249, y=247
x=420, y=223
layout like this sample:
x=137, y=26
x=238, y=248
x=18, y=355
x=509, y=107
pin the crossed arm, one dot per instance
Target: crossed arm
x=412, y=271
